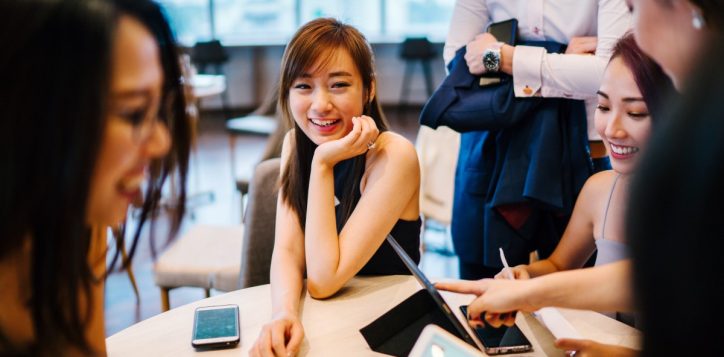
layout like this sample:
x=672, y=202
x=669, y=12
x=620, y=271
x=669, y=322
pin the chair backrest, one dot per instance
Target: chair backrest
x=259, y=221
x=211, y=53
x=417, y=48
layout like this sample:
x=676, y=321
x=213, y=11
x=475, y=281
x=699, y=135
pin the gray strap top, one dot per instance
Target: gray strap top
x=610, y=251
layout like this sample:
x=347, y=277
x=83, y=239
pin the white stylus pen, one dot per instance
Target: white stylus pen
x=506, y=267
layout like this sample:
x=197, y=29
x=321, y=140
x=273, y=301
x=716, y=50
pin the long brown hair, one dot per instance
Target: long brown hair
x=317, y=42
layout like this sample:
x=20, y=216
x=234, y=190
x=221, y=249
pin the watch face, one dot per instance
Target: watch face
x=491, y=61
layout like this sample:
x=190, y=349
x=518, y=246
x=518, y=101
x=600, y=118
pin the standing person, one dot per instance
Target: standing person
x=588, y=27
x=93, y=112
x=346, y=182
x=675, y=219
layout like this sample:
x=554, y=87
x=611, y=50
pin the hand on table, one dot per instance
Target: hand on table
x=281, y=337
x=588, y=348
x=364, y=133
x=498, y=300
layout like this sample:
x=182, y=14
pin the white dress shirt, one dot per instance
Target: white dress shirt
x=548, y=74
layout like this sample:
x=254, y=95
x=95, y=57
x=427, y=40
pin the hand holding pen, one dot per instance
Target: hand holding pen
x=515, y=273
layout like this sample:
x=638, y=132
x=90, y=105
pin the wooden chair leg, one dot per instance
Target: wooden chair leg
x=165, y=305
x=208, y=292
x=131, y=276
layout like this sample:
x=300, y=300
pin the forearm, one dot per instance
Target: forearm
x=320, y=239
x=602, y=288
x=541, y=267
x=286, y=284
x=507, y=52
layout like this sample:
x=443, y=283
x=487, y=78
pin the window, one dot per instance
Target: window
x=364, y=15
x=189, y=19
x=274, y=21
x=254, y=21
x=429, y=18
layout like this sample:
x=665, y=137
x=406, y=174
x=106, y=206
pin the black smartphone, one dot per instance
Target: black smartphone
x=216, y=326
x=501, y=340
x=505, y=31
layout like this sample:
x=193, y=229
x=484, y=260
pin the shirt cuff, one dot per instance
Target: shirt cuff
x=527, y=79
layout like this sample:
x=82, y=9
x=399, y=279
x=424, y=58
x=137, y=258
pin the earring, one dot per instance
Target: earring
x=697, y=20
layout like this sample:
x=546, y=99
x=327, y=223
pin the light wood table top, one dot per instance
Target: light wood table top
x=332, y=326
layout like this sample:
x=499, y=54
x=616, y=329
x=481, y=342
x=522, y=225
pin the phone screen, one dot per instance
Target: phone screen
x=502, y=339
x=216, y=325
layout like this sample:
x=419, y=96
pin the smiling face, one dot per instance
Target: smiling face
x=324, y=99
x=622, y=118
x=132, y=136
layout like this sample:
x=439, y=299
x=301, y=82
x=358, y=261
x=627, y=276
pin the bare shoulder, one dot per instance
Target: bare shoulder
x=393, y=153
x=598, y=186
x=396, y=146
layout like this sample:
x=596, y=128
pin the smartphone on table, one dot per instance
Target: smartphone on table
x=216, y=326
x=500, y=340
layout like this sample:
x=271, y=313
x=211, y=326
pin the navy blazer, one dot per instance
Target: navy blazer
x=512, y=150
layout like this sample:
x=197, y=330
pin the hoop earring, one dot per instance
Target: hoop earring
x=697, y=20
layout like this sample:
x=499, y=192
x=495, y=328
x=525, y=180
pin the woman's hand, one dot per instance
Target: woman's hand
x=588, y=348
x=356, y=142
x=519, y=273
x=474, y=52
x=582, y=45
x=280, y=337
x=497, y=300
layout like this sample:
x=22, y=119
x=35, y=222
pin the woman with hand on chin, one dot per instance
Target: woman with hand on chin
x=633, y=87
x=346, y=181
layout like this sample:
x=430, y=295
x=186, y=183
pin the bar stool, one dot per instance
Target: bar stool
x=209, y=58
x=413, y=50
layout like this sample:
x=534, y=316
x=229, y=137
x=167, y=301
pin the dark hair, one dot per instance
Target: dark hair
x=654, y=84
x=316, y=42
x=675, y=225
x=173, y=113
x=57, y=67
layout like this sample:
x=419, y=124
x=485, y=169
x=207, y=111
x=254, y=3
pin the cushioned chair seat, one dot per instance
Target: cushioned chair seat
x=205, y=257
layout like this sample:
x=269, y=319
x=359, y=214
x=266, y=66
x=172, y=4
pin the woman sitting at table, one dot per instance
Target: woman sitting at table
x=346, y=183
x=633, y=87
x=631, y=95
x=93, y=112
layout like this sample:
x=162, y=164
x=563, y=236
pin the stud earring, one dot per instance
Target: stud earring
x=697, y=20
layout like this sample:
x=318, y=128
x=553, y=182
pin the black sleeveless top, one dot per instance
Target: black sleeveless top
x=407, y=233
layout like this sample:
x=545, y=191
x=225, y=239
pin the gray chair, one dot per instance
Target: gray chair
x=259, y=221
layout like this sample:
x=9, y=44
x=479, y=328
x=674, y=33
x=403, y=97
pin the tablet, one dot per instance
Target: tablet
x=434, y=293
x=488, y=333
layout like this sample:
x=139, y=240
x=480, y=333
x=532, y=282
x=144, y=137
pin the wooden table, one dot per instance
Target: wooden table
x=332, y=326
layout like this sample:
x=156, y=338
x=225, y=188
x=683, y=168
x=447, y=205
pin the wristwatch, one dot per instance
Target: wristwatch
x=491, y=58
